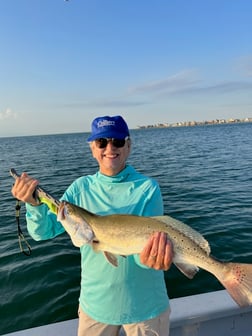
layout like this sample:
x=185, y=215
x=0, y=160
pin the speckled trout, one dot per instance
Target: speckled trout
x=128, y=234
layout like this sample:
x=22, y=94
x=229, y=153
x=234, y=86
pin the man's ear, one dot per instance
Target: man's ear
x=129, y=144
x=91, y=145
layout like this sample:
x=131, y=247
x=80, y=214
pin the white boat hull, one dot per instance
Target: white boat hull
x=210, y=314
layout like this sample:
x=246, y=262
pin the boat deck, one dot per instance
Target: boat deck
x=210, y=314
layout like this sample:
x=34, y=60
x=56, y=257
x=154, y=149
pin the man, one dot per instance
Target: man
x=132, y=295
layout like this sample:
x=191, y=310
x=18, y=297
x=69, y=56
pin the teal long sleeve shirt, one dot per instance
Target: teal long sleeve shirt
x=125, y=294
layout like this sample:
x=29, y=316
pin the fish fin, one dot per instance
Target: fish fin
x=187, y=269
x=111, y=258
x=237, y=279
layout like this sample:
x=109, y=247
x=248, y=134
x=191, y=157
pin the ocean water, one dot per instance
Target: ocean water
x=205, y=174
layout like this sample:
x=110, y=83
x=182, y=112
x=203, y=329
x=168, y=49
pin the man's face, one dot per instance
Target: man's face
x=111, y=159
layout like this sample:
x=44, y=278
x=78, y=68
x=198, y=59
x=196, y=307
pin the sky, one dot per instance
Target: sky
x=63, y=63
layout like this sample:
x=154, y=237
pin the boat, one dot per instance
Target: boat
x=208, y=314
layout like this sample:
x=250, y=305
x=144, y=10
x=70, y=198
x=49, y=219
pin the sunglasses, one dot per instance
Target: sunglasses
x=118, y=143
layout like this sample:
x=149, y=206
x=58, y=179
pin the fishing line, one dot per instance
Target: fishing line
x=21, y=238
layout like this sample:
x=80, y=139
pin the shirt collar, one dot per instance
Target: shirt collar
x=123, y=175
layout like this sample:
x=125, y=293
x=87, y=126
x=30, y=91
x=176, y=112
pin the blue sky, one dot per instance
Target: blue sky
x=62, y=63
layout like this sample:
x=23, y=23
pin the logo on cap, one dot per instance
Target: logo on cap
x=103, y=123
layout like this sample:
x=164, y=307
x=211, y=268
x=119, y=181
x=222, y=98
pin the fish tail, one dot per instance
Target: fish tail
x=237, y=279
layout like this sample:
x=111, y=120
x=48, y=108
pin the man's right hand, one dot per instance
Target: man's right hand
x=23, y=189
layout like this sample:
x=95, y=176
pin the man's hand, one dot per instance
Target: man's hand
x=158, y=252
x=23, y=189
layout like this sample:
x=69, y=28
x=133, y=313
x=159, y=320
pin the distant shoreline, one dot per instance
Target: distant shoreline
x=197, y=123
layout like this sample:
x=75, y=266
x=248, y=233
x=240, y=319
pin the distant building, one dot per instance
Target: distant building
x=197, y=123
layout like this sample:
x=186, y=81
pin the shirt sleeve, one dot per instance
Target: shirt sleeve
x=42, y=224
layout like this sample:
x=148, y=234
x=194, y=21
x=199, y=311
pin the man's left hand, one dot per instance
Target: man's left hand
x=158, y=252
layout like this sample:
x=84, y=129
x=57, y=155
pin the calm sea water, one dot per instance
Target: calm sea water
x=205, y=174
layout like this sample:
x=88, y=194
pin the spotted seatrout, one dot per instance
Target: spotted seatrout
x=127, y=234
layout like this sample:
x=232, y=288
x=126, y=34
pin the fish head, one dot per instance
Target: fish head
x=75, y=225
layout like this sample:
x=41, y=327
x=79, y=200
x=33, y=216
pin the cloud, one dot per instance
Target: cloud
x=188, y=82
x=106, y=103
x=218, y=88
x=7, y=114
x=118, y=103
x=180, y=81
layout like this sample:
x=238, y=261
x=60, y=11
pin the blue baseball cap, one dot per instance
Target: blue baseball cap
x=109, y=127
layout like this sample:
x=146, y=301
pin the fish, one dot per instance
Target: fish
x=124, y=235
